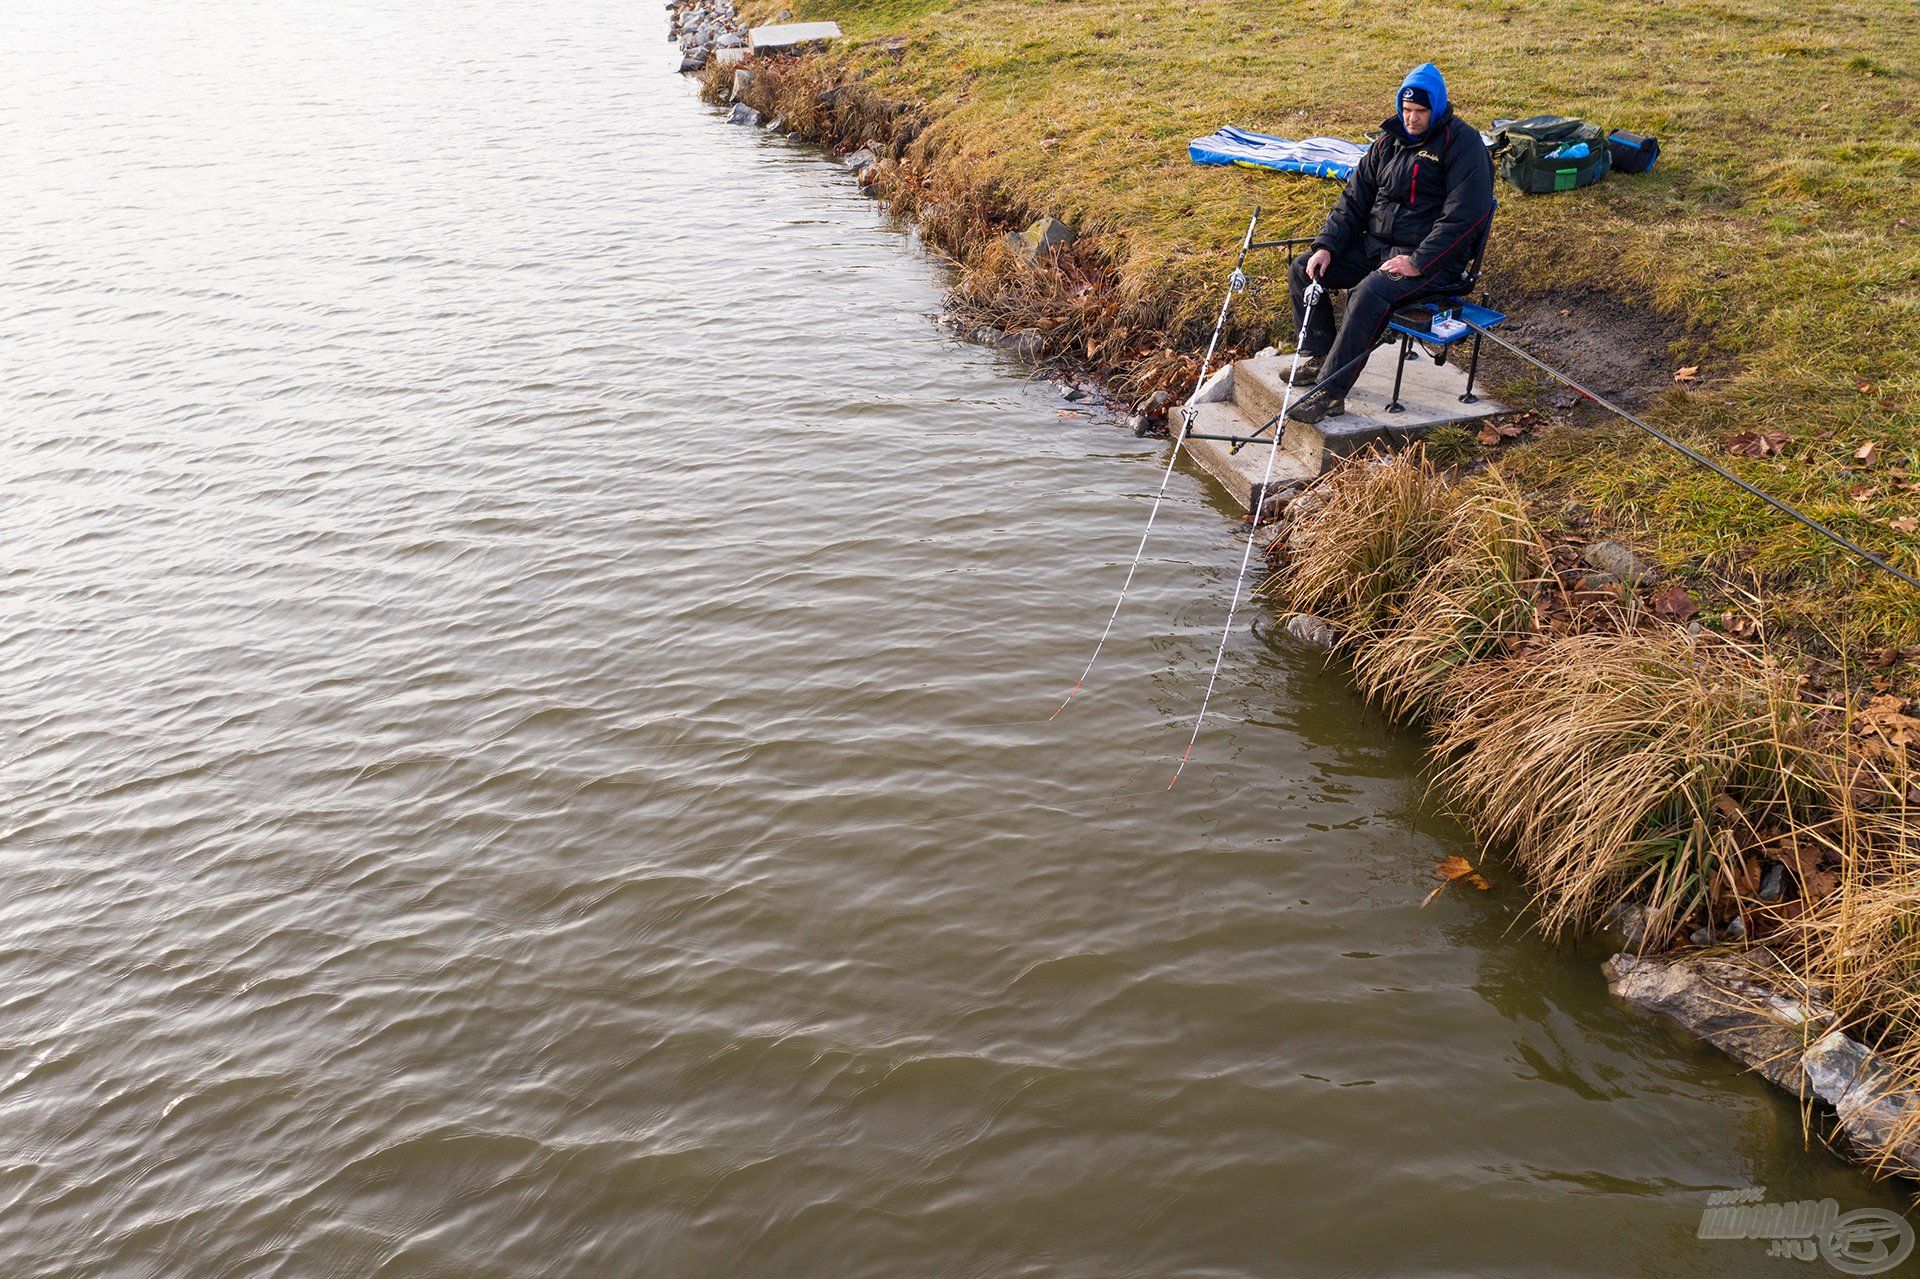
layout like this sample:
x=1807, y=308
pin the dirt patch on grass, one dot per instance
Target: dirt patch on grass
x=1618, y=349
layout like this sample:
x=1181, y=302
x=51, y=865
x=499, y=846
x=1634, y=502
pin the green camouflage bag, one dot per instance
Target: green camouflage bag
x=1551, y=153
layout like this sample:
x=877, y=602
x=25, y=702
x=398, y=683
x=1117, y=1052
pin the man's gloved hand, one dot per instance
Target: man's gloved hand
x=1317, y=264
x=1401, y=266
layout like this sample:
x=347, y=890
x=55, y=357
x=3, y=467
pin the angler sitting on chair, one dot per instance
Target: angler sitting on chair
x=1408, y=224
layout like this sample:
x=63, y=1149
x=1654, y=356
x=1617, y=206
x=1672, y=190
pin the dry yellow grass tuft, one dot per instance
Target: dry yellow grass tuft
x=1373, y=532
x=1478, y=599
x=1604, y=763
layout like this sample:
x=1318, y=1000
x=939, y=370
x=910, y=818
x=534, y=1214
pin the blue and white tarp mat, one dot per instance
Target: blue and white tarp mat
x=1316, y=157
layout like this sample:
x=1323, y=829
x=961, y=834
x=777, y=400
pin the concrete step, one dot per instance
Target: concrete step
x=1241, y=473
x=1260, y=386
x=1429, y=398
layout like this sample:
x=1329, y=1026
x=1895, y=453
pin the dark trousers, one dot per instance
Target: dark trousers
x=1372, y=296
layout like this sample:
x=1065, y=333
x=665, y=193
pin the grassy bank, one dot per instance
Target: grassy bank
x=1776, y=247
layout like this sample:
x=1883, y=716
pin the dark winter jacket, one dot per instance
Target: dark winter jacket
x=1430, y=196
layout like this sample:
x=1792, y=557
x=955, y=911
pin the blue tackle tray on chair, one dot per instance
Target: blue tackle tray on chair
x=1411, y=329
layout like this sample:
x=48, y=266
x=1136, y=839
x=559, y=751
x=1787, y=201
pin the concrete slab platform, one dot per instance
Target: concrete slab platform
x=791, y=35
x=1429, y=395
x=1241, y=473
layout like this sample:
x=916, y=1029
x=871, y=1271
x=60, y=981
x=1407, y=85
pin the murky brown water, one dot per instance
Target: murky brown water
x=524, y=657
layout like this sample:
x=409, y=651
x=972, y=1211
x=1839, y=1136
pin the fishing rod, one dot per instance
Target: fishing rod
x=1236, y=283
x=1312, y=297
x=1703, y=460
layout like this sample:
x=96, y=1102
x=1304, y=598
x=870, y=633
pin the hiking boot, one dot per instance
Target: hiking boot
x=1317, y=408
x=1311, y=366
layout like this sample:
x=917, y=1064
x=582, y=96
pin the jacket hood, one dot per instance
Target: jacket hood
x=1427, y=78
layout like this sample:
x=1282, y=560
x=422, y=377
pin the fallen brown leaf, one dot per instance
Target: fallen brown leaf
x=1867, y=454
x=1674, y=604
x=1488, y=437
x=1886, y=717
x=1455, y=870
x=1688, y=374
x=1863, y=493
x=1905, y=524
x=1756, y=444
x=1818, y=884
x=1803, y=859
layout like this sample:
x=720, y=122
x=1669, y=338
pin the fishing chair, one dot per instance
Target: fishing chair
x=1413, y=321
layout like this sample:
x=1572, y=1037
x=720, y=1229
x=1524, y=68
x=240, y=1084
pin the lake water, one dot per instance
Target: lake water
x=525, y=656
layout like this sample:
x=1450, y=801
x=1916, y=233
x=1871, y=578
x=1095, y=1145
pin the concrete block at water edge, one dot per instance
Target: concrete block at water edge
x=1242, y=473
x=790, y=36
x=725, y=58
x=1429, y=397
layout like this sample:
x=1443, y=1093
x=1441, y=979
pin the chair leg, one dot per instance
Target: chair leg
x=1400, y=371
x=1473, y=370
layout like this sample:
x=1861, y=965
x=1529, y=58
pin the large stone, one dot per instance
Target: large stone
x=1876, y=1112
x=744, y=114
x=1316, y=632
x=860, y=160
x=742, y=83
x=730, y=57
x=1790, y=1041
x=1042, y=238
x=1727, y=1003
x=693, y=62
x=791, y=36
x=1025, y=344
x=1620, y=560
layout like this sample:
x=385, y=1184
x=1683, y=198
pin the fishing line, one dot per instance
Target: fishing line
x=1312, y=298
x=1235, y=284
x=1721, y=471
